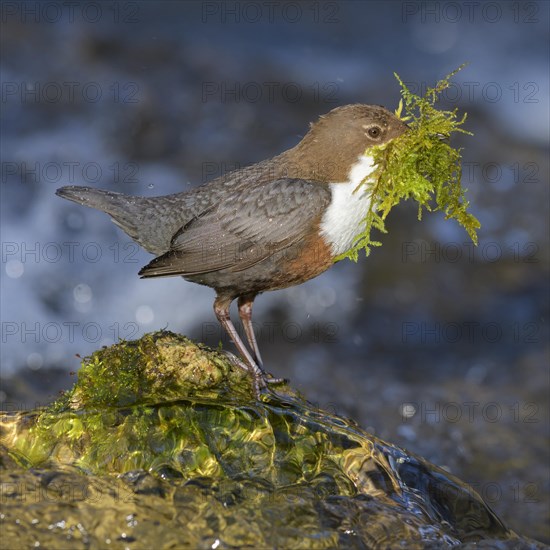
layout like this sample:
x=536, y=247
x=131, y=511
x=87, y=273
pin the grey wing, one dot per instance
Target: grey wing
x=244, y=229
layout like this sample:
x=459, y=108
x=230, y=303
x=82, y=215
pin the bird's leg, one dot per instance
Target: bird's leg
x=245, y=313
x=221, y=309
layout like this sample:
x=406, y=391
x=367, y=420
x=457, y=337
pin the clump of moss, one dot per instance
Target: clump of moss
x=419, y=165
x=145, y=403
x=159, y=367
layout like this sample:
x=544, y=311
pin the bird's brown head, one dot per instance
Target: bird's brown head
x=336, y=140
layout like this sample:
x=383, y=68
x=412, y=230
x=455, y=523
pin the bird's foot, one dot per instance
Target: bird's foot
x=260, y=379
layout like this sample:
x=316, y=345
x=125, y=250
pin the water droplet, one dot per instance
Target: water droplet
x=82, y=293
x=35, y=361
x=408, y=410
x=14, y=269
x=144, y=315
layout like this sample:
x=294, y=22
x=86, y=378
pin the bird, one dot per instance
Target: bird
x=263, y=227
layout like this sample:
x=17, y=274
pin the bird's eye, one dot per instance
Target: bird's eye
x=374, y=132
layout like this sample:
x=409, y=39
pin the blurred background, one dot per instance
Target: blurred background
x=430, y=343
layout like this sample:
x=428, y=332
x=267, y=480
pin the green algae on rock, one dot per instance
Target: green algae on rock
x=175, y=427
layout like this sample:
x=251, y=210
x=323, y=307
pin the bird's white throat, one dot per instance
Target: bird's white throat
x=344, y=219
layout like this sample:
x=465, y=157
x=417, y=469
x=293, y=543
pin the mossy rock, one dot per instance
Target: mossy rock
x=170, y=432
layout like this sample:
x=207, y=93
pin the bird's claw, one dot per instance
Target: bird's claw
x=260, y=379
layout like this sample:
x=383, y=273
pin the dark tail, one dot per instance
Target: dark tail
x=139, y=217
x=107, y=201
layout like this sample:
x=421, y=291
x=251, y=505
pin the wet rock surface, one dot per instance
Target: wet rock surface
x=161, y=442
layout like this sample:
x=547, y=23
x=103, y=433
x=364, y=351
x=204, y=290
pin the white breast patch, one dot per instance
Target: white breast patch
x=344, y=219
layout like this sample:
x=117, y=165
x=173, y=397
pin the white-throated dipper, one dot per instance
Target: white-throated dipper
x=268, y=226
